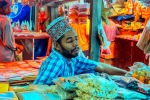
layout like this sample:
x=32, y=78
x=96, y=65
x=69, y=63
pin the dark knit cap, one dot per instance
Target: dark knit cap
x=4, y=3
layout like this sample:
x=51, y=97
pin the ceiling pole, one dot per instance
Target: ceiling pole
x=95, y=18
x=36, y=18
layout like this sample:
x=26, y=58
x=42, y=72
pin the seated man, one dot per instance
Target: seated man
x=64, y=59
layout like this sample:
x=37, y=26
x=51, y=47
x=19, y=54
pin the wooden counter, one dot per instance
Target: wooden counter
x=126, y=53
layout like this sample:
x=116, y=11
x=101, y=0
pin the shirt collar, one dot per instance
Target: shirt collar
x=3, y=16
x=56, y=53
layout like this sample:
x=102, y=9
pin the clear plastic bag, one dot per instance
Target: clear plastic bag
x=69, y=83
x=98, y=86
x=140, y=71
x=54, y=89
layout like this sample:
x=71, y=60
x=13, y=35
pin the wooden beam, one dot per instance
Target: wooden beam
x=95, y=17
x=50, y=4
x=36, y=18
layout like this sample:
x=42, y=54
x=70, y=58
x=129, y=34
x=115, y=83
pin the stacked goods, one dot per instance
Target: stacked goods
x=18, y=70
x=129, y=9
x=78, y=13
x=91, y=87
x=132, y=85
x=83, y=13
x=69, y=83
x=2, y=70
x=122, y=8
x=97, y=88
x=34, y=64
x=66, y=86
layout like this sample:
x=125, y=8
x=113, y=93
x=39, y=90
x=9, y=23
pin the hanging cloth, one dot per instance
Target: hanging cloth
x=102, y=36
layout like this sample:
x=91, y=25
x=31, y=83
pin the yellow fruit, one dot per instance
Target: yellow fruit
x=134, y=75
x=148, y=82
x=142, y=78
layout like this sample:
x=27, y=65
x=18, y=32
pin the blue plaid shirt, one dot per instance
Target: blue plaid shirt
x=58, y=66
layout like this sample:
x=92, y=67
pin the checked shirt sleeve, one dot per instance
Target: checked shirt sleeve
x=49, y=69
x=85, y=65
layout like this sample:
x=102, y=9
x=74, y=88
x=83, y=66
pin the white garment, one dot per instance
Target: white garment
x=144, y=40
x=7, y=41
x=102, y=36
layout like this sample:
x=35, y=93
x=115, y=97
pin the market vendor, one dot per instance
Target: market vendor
x=7, y=40
x=64, y=59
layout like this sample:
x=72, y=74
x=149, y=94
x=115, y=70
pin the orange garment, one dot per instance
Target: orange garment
x=82, y=31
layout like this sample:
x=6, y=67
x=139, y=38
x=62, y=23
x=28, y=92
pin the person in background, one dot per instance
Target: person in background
x=7, y=41
x=64, y=59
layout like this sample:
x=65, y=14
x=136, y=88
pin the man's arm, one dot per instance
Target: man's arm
x=102, y=67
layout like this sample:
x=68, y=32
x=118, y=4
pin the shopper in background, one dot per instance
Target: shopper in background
x=7, y=41
x=64, y=59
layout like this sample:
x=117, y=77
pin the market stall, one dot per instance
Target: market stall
x=17, y=77
x=82, y=87
x=131, y=18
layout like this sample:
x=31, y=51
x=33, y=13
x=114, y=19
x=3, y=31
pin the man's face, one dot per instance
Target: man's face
x=69, y=47
x=5, y=11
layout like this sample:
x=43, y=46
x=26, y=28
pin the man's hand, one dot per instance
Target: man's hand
x=20, y=48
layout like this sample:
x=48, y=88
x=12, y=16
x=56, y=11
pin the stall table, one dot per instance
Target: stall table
x=35, y=44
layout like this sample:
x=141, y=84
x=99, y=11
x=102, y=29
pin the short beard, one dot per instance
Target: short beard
x=66, y=53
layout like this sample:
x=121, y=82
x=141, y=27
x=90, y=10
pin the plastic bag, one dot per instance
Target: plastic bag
x=84, y=96
x=123, y=81
x=98, y=86
x=144, y=88
x=69, y=83
x=140, y=71
x=128, y=94
x=54, y=89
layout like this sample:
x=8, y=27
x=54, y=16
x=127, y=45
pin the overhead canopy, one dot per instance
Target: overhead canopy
x=55, y=2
